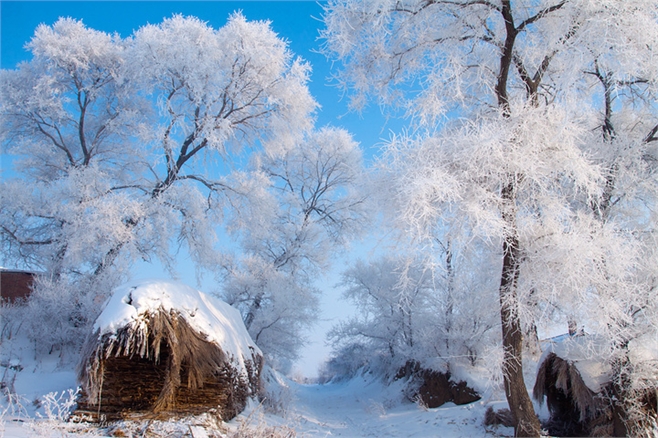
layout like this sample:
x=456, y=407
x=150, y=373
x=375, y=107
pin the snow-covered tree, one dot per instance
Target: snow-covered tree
x=123, y=146
x=394, y=302
x=299, y=208
x=514, y=162
x=413, y=309
x=627, y=151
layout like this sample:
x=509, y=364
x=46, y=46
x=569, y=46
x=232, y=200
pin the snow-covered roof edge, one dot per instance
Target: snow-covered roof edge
x=217, y=320
x=587, y=353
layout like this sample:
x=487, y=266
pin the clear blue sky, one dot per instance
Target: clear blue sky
x=298, y=22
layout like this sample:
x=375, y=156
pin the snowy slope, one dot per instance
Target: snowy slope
x=365, y=407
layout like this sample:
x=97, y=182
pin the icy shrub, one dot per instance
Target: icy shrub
x=256, y=427
x=344, y=363
x=59, y=314
x=59, y=406
x=277, y=395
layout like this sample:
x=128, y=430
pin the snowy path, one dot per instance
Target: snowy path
x=367, y=409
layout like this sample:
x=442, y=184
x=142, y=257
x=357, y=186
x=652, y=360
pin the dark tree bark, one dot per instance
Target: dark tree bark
x=523, y=412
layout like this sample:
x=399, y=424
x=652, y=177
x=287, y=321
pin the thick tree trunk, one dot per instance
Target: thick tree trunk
x=523, y=412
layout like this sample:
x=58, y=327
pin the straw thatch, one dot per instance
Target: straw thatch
x=576, y=410
x=163, y=366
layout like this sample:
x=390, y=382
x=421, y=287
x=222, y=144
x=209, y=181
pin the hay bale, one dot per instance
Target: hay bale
x=165, y=349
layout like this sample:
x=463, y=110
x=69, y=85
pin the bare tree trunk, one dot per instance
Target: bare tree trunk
x=531, y=341
x=572, y=325
x=621, y=384
x=523, y=412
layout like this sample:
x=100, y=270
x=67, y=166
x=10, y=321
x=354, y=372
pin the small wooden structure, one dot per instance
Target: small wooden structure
x=158, y=363
x=15, y=286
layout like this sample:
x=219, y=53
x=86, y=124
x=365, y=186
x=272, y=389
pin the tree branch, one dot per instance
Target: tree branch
x=540, y=15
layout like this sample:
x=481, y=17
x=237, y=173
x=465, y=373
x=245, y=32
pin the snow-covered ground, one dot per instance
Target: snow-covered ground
x=360, y=407
x=364, y=407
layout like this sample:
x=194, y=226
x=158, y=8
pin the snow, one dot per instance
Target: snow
x=644, y=349
x=365, y=406
x=221, y=323
x=360, y=407
x=348, y=409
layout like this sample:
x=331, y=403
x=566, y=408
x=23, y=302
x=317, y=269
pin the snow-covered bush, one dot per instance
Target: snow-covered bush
x=59, y=316
x=345, y=362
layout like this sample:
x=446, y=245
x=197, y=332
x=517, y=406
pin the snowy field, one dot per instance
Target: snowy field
x=39, y=389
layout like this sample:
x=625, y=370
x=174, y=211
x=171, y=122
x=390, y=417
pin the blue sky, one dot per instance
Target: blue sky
x=298, y=22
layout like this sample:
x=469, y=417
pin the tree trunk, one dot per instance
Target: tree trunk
x=525, y=419
x=531, y=342
x=621, y=382
x=253, y=308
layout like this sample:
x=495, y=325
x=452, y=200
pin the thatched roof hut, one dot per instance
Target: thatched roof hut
x=575, y=377
x=166, y=349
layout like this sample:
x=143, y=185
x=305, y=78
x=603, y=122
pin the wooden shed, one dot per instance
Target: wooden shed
x=163, y=349
x=15, y=285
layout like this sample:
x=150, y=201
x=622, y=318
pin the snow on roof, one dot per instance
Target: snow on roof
x=588, y=355
x=16, y=271
x=221, y=323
